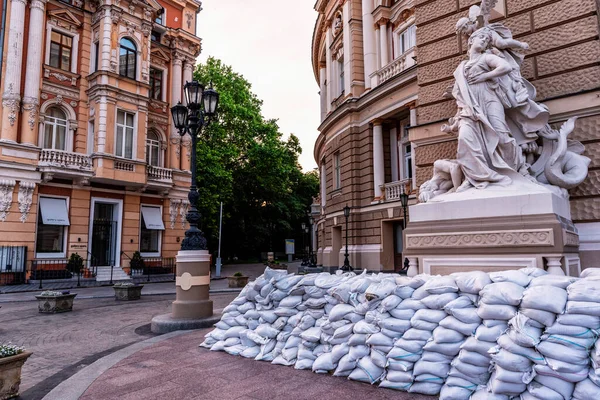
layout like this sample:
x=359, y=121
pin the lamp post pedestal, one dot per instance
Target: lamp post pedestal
x=192, y=308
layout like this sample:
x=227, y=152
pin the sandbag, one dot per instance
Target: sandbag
x=471, y=282
x=513, y=276
x=586, y=389
x=546, y=298
x=502, y=293
x=496, y=311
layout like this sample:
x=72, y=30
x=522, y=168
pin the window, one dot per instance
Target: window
x=60, y=51
x=151, y=228
x=153, y=149
x=161, y=18
x=156, y=77
x=124, y=142
x=337, y=175
x=127, y=58
x=95, y=53
x=407, y=153
x=55, y=129
x=155, y=36
x=341, y=76
x=53, y=218
x=407, y=39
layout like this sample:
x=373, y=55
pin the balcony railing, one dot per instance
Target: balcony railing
x=124, y=166
x=400, y=64
x=65, y=159
x=159, y=173
x=393, y=190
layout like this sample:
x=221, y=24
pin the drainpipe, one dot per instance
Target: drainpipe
x=4, y=4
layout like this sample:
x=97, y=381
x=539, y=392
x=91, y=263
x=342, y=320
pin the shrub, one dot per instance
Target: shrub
x=9, y=350
x=137, y=262
x=75, y=263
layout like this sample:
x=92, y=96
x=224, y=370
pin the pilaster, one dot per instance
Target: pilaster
x=378, y=162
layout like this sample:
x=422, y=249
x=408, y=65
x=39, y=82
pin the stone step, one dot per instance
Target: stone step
x=103, y=274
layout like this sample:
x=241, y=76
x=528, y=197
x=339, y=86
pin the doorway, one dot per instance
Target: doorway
x=105, y=232
x=398, y=245
x=336, y=246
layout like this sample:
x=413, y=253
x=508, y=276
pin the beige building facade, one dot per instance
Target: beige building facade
x=90, y=162
x=383, y=66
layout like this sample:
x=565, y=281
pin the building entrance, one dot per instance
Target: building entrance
x=104, y=235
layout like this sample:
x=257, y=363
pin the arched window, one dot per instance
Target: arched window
x=127, y=58
x=153, y=150
x=55, y=129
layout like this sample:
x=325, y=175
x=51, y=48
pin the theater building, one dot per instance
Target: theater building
x=382, y=67
x=90, y=162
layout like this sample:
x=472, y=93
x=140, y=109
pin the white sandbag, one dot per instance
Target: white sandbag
x=570, y=330
x=441, y=284
x=513, y=276
x=461, y=383
x=428, y=378
x=268, y=316
x=218, y=346
x=399, y=376
x=443, y=335
x=497, y=386
x=387, y=384
x=589, y=272
x=232, y=341
x=371, y=373
x=423, y=325
x=343, y=331
x=466, y=315
x=543, y=392
x=256, y=338
x=534, y=272
x=208, y=342
x=323, y=364
x=563, y=388
x=357, y=339
x=403, y=292
x=380, y=290
x=399, y=365
x=496, y=311
x=434, y=357
x=316, y=303
x=312, y=334
x=427, y=388
x=375, y=316
x=304, y=364
x=250, y=352
x=585, y=390
x=483, y=394
x=400, y=354
x=460, y=302
x=280, y=360
x=365, y=327
x=474, y=372
x=391, y=333
x=502, y=293
x=222, y=325
x=358, y=352
x=471, y=282
x=437, y=369
x=584, y=343
x=420, y=293
x=560, y=281
x=252, y=314
x=522, y=333
x=345, y=366
x=566, y=367
x=235, y=332
x=473, y=358
x=401, y=313
x=557, y=351
x=510, y=361
x=512, y=376
x=594, y=377
x=434, y=316
x=545, y=298
x=582, y=307
x=543, y=318
x=449, y=349
x=438, y=301
x=490, y=334
x=412, y=346
x=478, y=346
x=411, y=304
x=586, y=290
x=379, y=339
x=583, y=320
x=453, y=323
x=506, y=343
x=339, y=312
x=390, y=302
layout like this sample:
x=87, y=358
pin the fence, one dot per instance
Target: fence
x=13, y=260
x=58, y=270
x=155, y=266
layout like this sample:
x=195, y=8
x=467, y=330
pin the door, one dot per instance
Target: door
x=398, y=246
x=104, y=237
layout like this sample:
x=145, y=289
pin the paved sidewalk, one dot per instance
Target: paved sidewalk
x=178, y=369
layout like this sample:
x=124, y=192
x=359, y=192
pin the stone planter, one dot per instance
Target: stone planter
x=55, y=304
x=237, y=281
x=133, y=292
x=10, y=375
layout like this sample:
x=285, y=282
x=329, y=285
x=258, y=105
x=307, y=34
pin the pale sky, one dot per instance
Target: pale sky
x=269, y=42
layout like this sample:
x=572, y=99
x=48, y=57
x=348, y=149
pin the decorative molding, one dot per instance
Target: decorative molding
x=25, y=198
x=12, y=105
x=7, y=187
x=31, y=105
x=523, y=238
x=183, y=210
x=571, y=239
x=173, y=211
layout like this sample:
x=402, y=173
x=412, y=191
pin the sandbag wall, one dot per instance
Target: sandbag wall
x=470, y=335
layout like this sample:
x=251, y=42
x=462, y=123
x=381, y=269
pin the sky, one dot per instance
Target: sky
x=269, y=43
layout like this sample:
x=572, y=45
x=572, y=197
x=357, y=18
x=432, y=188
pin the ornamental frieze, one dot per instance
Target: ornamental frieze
x=529, y=237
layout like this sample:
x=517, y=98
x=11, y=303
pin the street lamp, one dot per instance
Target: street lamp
x=346, y=266
x=404, y=202
x=192, y=118
x=303, y=241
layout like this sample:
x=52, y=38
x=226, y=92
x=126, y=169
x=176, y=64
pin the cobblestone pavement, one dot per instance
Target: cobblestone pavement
x=178, y=369
x=62, y=344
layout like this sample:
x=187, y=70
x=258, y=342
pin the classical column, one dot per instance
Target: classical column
x=370, y=54
x=186, y=141
x=347, y=48
x=378, y=50
x=323, y=88
x=323, y=187
x=383, y=41
x=176, y=86
x=394, y=154
x=12, y=77
x=378, y=165
x=33, y=71
x=330, y=80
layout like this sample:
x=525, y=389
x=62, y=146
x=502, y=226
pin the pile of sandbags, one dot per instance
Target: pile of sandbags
x=470, y=335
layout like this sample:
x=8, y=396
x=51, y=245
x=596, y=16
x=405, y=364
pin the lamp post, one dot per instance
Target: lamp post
x=346, y=266
x=303, y=225
x=404, y=202
x=192, y=308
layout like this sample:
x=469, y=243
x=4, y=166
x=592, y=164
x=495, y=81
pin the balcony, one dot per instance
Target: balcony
x=393, y=190
x=400, y=64
x=159, y=177
x=65, y=164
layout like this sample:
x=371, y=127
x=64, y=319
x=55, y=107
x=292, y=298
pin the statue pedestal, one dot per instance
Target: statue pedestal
x=192, y=308
x=496, y=228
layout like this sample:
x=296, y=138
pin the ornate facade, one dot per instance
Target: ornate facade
x=90, y=162
x=383, y=67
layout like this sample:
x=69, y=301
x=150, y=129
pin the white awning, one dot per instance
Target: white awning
x=152, y=218
x=54, y=211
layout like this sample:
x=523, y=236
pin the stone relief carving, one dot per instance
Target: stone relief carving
x=25, y=198
x=504, y=139
x=6, y=192
x=11, y=101
x=173, y=211
x=190, y=18
x=534, y=237
x=185, y=205
x=32, y=106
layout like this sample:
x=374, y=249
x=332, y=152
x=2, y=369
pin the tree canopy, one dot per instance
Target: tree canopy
x=244, y=162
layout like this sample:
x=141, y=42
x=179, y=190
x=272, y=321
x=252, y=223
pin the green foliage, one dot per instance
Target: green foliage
x=244, y=162
x=136, y=261
x=75, y=263
x=238, y=274
x=9, y=350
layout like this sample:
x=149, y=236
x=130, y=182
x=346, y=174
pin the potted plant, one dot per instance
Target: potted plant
x=127, y=291
x=12, y=359
x=238, y=280
x=75, y=263
x=137, y=262
x=51, y=302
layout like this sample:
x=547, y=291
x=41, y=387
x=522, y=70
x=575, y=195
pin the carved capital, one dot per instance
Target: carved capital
x=25, y=198
x=7, y=187
x=38, y=4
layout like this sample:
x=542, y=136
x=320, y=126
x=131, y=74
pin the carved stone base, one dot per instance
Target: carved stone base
x=446, y=240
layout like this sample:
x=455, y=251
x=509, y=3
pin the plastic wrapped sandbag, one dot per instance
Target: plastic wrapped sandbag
x=496, y=311
x=471, y=282
x=513, y=276
x=546, y=298
x=438, y=301
x=452, y=323
x=502, y=293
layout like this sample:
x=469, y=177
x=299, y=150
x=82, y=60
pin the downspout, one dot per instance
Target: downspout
x=4, y=3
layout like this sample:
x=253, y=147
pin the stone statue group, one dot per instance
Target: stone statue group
x=504, y=138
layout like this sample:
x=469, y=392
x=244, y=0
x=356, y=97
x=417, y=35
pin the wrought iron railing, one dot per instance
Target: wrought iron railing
x=65, y=159
x=13, y=260
x=155, y=266
x=41, y=270
x=159, y=173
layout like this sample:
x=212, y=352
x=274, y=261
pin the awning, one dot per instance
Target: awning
x=54, y=211
x=152, y=218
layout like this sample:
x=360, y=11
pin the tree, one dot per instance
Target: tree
x=244, y=163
